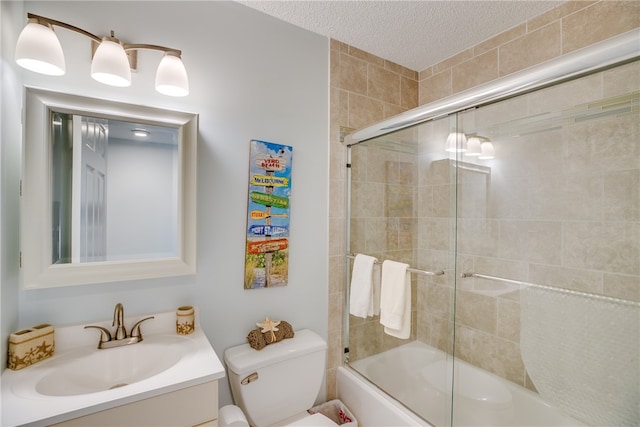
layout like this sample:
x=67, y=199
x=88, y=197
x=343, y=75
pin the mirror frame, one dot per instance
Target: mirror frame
x=36, y=268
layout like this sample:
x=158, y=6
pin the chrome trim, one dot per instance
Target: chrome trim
x=552, y=288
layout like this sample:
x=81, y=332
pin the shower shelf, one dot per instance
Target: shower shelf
x=412, y=270
x=552, y=288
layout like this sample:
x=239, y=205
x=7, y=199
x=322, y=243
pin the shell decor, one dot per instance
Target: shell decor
x=269, y=332
x=269, y=326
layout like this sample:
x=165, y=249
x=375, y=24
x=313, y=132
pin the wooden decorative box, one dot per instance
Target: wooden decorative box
x=30, y=346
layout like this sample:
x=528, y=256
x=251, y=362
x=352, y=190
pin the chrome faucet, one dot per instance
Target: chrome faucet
x=120, y=337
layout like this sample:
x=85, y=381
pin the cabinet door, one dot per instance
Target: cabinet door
x=188, y=407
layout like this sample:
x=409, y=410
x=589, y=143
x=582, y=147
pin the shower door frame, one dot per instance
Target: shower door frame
x=608, y=54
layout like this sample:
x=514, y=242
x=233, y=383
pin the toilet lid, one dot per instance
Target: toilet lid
x=315, y=420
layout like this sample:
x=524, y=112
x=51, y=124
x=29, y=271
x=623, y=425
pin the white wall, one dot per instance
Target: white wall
x=251, y=77
x=11, y=96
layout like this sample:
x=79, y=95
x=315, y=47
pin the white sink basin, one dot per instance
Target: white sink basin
x=79, y=379
x=93, y=370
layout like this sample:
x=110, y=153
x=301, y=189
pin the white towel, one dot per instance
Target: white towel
x=395, y=299
x=364, y=298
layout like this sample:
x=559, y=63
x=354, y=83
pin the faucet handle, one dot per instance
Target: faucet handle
x=105, y=335
x=135, y=329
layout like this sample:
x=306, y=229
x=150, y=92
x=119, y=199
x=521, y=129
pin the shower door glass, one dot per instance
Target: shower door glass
x=536, y=226
x=402, y=208
x=548, y=242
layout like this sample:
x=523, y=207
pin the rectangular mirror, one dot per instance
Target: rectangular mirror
x=108, y=191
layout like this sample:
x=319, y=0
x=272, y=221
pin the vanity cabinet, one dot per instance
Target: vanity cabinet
x=192, y=406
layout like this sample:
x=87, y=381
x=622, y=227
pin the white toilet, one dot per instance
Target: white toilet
x=276, y=385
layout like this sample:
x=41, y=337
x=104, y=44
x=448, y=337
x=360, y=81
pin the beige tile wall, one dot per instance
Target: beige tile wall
x=383, y=224
x=366, y=89
x=573, y=220
x=568, y=27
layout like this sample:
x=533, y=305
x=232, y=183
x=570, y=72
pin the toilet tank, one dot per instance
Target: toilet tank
x=279, y=381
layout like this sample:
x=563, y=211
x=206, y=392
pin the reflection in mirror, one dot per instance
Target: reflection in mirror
x=108, y=191
x=114, y=189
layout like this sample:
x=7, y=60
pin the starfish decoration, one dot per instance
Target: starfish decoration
x=16, y=362
x=44, y=348
x=269, y=326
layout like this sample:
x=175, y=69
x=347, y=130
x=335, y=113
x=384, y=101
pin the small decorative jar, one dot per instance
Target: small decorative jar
x=185, y=320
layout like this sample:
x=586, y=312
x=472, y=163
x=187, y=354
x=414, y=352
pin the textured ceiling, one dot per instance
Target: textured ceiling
x=416, y=34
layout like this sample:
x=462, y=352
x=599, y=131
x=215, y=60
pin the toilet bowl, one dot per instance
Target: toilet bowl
x=276, y=386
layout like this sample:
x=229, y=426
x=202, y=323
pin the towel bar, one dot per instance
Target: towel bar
x=412, y=270
x=552, y=288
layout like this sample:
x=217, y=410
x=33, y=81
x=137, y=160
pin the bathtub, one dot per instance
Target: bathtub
x=418, y=375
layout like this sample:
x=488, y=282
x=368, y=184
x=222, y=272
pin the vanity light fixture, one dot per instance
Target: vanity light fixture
x=39, y=50
x=456, y=142
x=473, y=147
x=487, y=151
x=110, y=64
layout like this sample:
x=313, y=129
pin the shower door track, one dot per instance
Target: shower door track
x=597, y=57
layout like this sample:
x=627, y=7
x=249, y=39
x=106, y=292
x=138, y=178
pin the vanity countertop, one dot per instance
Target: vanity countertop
x=22, y=405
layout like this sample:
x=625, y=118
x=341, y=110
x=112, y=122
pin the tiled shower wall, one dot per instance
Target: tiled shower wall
x=568, y=27
x=559, y=206
x=383, y=224
x=366, y=89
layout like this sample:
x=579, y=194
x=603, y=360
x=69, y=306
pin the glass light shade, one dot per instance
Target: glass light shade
x=456, y=142
x=487, y=151
x=473, y=147
x=171, y=76
x=110, y=64
x=38, y=49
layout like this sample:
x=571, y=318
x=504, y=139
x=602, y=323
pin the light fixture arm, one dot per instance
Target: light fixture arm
x=130, y=46
x=42, y=19
x=97, y=39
